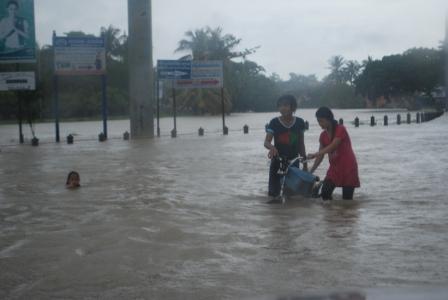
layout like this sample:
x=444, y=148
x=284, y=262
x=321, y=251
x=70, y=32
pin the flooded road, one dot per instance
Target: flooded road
x=186, y=217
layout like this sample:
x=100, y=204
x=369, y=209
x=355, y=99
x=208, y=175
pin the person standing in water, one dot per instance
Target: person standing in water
x=287, y=131
x=335, y=141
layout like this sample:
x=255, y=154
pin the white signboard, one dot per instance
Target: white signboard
x=79, y=56
x=204, y=74
x=14, y=81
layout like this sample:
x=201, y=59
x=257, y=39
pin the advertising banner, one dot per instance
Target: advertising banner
x=79, y=56
x=15, y=81
x=188, y=74
x=17, y=31
x=204, y=74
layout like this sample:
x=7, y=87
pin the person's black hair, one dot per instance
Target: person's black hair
x=324, y=112
x=12, y=2
x=288, y=99
x=70, y=174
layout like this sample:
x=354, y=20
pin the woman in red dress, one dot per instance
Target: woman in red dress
x=335, y=141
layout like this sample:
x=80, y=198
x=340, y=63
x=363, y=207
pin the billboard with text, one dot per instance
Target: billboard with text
x=79, y=56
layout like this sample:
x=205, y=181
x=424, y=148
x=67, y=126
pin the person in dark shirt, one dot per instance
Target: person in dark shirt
x=287, y=131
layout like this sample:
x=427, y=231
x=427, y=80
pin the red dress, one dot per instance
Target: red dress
x=343, y=169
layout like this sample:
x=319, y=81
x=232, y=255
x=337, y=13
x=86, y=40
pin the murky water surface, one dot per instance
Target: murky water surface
x=186, y=217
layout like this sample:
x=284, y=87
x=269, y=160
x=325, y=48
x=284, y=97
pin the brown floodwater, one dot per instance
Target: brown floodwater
x=186, y=217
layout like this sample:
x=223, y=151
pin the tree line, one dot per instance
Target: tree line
x=349, y=84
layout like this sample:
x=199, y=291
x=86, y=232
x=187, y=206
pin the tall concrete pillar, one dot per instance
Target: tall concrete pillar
x=446, y=61
x=140, y=69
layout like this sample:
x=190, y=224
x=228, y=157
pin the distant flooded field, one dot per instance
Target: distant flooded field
x=186, y=217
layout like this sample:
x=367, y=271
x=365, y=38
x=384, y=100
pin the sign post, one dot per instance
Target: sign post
x=17, y=45
x=173, y=70
x=187, y=74
x=80, y=56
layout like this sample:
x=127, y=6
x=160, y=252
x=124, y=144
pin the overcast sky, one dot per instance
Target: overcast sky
x=295, y=35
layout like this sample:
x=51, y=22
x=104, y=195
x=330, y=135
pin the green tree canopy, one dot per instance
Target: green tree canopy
x=418, y=70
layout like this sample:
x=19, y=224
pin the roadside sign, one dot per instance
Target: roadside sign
x=15, y=81
x=174, y=69
x=188, y=74
x=17, y=32
x=204, y=74
x=79, y=56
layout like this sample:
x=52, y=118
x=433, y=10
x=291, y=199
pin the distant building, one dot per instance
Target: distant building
x=440, y=97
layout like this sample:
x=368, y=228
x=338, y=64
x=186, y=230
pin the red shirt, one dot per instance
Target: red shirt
x=343, y=169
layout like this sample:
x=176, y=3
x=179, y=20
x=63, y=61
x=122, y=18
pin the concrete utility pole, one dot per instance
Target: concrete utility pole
x=446, y=61
x=141, y=76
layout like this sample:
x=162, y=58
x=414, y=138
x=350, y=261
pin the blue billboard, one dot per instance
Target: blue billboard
x=17, y=31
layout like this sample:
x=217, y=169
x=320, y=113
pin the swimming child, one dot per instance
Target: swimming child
x=335, y=141
x=73, y=180
x=287, y=131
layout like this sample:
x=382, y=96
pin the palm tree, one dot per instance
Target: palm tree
x=115, y=42
x=336, y=64
x=351, y=71
x=210, y=44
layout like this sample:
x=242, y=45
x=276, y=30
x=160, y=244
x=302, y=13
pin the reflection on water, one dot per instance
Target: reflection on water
x=186, y=217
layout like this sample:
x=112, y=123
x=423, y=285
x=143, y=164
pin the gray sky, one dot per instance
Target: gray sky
x=295, y=35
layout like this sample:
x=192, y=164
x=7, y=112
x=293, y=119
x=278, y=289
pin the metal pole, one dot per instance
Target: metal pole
x=223, y=112
x=56, y=106
x=104, y=103
x=55, y=95
x=174, y=133
x=20, y=118
x=158, y=108
x=19, y=98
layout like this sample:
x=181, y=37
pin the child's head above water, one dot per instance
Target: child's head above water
x=73, y=180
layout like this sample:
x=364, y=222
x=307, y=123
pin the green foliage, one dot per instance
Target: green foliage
x=247, y=86
x=210, y=44
x=417, y=70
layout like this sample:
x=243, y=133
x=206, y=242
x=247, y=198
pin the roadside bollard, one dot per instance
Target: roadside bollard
x=69, y=139
x=246, y=129
x=356, y=122
x=307, y=125
x=398, y=119
x=201, y=131
x=408, y=118
x=423, y=117
x=101, y=137
x=386, y=120
x=372, y=121
x=341, y=121
x=35, y=141
x=126, y=136
x=225, y=130
x=417, y=118
x=173, y=133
